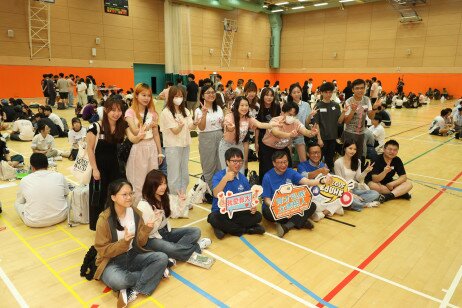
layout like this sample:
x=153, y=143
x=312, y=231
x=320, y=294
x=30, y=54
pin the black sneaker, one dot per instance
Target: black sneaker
x=208, y=198
x=386, y=197
x=131, y=295
x=218, y=233
x=457, y=135
x=406, y=196
x=257, y=229
x=308, y=225
x=281, y=229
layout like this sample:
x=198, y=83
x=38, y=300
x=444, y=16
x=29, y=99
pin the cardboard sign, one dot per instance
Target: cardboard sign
x=337, y=191
x=290, y=200
x=231, y=203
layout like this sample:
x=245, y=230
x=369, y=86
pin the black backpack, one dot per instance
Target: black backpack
x=89, y=267
x=253, y=178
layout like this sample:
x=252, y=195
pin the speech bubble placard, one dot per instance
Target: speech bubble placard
x=337, y=191
x=244, y=201
x=290, y=200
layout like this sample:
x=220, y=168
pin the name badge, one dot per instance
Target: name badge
x=333, y=108
x=322, y=109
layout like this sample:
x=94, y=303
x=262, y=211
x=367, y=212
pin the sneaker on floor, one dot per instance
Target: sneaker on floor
x=122, y=300
x=406, y=196
x=208, y=198
x=281, y=229
x=131, y=295
x=51, y=162
x=171, y=262
x=340, y=211
x=372, y=204
x=308, y=225
x=204, y=243
x=218, y=233
x=58, y=158
x=317, y=216
x=386, y=197
x=166, y=273
x=257, y=229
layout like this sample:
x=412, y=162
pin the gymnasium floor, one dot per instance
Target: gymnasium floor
x=401, y=254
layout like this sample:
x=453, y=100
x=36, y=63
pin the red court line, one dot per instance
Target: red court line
x=385, y=244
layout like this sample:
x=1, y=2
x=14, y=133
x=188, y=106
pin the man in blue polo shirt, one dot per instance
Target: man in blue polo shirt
x=230, y=179
x=281, y=175
x=312, y=167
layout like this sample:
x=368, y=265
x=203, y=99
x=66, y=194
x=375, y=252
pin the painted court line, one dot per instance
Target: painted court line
x=417, y=136
x=391, y=282
x=198, y=290
x=284, y=274
x=434, y=178
x=384, y=245
x=438, y=185
x=22, y=303
x=194, y=222
x=428, y=151
x=452, y=288
x=269, y=284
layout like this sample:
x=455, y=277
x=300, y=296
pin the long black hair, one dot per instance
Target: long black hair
x=274, y=108
x=237, y=116
x=202, y=97
x=153, y=180
x=292, y=87
x=354, y=158
x=112, y=190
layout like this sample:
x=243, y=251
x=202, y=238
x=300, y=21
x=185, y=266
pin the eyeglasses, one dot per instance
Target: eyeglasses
x=284, y=162
x=237, y=162
x=127, y=195
x=209, y=93
x=358, y=88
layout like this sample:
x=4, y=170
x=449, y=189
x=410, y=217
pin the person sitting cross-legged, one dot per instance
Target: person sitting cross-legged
x=386, y=166
x=230, y=179
x=281, y=175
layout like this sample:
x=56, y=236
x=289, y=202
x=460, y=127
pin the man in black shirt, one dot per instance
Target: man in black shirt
x=386, y=166
x=191, y=93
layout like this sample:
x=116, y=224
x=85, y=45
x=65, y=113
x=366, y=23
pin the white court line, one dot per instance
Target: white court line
x=203, y=208
x=22, y=303
x=425, y=133
x=194, y=222
x=431, y=177
x=451, y=289
x=258, y=278
x=358, y=269
x=425, y=141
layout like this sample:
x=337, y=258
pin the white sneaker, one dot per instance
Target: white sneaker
x=317, y=216
x=58, y=158
x=372, y=204
x=204, y=243
x=166, y=273
x=339, y=211
x=51, y=162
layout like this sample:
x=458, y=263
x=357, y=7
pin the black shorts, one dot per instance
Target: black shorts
x=64, y=95
x=247, y=137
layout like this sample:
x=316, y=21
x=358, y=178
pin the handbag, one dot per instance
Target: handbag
x=81, y=169
x=6, y=171
x=123, y=151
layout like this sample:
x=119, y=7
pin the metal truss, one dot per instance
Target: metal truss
x=39, y=28
x=230, y=27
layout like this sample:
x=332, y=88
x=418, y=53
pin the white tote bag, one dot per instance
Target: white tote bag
x=82, y=170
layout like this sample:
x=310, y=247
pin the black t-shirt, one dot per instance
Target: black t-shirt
x=348, y=92
x=191, y=91
x=3, y=149
x=380, y=164
x=264, y=116
x=385, y=116
x=327, y=118
x=53, y=127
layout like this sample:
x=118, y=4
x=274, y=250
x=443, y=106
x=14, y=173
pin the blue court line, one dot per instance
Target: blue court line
x=199, y=290
x=442, y=186
x=285, y=275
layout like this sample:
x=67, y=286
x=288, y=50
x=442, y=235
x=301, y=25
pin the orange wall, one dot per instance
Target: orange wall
x=24, y=81
x=413, y=82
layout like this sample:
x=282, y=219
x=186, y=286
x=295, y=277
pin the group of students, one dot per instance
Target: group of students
x=61, y=89
x=448, y=122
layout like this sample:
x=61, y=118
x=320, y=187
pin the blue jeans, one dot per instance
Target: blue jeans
x=178, y=244
x=139, y=271
x=367, y=195
x=163, y=166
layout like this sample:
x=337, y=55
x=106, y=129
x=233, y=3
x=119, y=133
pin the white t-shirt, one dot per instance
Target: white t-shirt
x=43, y=194
x=150, y=118
x=148, y=215
x=214, y=120
x=56, y=119
x=43, y=144
x=168, y=121
x=81, y=87
x=129, y=222
x=379, y=135
x=76, y=137
x=438, y=122
x=25, y=129
x=91, y=89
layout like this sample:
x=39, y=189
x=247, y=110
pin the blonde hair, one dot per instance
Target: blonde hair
x=140, y=87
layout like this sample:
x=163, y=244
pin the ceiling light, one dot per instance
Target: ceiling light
x=298, y=7
x=303, y=0
x=321, y=4
x=282, y=3
x=344, y=1
x=278, y=10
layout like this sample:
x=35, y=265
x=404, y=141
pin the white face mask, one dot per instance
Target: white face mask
x=177, y=100
x=290, y=119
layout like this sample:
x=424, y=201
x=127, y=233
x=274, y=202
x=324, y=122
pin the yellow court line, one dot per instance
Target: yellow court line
x=73, y=237
x=150, y=299
x=53, y=243
x=41, y=234
x=79, y=283
x=44, y=262
x=64, y=253
x=70, y=267
x=89, y=302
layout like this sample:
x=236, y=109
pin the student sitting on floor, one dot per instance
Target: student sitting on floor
x=44, y=143
x=122, y=263
x=48, y=112
x=386, y=166
x=41, y=199
x=439, y=126
x=230, y=179
x=76, y=134
x=22, y=129
x=281, y=175
x=379, y=133
x=13, y=161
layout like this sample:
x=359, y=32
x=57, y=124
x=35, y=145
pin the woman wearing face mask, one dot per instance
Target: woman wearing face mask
x=236, y=125
x=304, y=116
x=268, y=109
x=277, y=138
x=250, y=91
x=175, y=123
x=146, y=154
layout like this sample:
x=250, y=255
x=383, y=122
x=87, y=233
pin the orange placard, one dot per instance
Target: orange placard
x=290, y=200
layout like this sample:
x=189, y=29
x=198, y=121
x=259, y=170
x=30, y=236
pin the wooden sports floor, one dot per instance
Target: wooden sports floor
x=401, y=254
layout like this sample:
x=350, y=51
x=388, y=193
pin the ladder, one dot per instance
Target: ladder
x=39, y=28
x=230, y=27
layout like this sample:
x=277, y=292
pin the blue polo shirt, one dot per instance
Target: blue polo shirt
x=239, y=184
x=306, y=167
x=272, y=181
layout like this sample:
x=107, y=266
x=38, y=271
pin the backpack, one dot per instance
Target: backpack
x=89, y=267
x=253, y=178
x=252, y=155
x=66, y=127
x=78, y=200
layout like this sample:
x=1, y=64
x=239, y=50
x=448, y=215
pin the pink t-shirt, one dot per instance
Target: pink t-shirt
x=168, y=121
x=151, y=117
x=244, y=125
x=277, y=143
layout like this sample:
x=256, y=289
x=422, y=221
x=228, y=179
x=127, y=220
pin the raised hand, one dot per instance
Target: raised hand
x=387, y=168
x=128, y=236
x=294, y=133
x=369, y=167
x=314, y=111
x=328, y=179
x=230, y=175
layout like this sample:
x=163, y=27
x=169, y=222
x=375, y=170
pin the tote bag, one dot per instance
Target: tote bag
x=82, y=170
